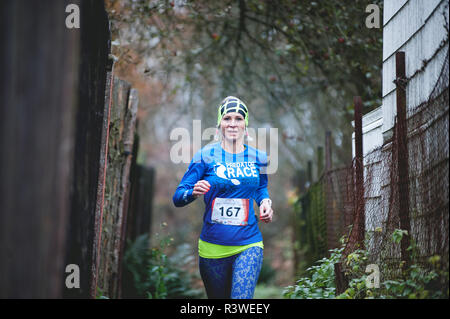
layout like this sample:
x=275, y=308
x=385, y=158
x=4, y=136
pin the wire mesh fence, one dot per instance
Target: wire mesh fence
x=404, y=187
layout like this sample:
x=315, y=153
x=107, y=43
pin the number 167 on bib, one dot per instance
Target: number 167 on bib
x=230, y=211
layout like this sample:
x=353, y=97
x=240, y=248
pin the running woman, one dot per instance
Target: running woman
x=229, y=175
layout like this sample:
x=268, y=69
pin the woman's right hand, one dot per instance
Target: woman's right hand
x=201, y=188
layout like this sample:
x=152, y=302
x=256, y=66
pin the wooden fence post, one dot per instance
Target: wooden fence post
x=88, y=160
x=128, y=143
x=102, y=167
x=122, y=125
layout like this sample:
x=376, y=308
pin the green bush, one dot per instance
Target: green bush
x=154, y=275
x=416, y=281
x=419, y=280
x=320, y=282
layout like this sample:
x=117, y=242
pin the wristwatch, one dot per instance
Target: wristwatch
x=268, y=200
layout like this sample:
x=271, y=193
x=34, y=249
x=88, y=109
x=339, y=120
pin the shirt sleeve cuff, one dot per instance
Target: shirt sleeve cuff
x=187, y=195
x=267, y=198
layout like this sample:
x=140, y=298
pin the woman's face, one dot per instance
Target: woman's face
x=232, y=126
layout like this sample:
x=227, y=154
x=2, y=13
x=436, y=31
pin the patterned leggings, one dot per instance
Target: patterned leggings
x=232, y=277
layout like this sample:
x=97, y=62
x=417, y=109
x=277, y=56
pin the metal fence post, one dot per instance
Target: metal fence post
x=402, y=152
x=359, y=221
x=330, y=207
x=319, y=162
x=328, y=158
x=309, y=173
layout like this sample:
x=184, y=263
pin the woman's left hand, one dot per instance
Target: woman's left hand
x=265, y=212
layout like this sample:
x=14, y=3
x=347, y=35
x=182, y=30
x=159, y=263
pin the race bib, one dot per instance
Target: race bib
x=230, y=211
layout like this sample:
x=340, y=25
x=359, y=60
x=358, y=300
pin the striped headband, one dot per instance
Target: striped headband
x=232, y=104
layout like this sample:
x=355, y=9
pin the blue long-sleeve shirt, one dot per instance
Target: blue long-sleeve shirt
x=240, y=177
